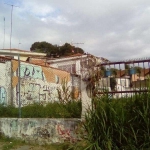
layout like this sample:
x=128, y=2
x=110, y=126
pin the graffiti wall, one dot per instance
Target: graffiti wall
x=41, y=131
x=5, y=82
x=37, y=83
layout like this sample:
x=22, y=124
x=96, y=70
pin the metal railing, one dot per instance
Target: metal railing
x=124, y=78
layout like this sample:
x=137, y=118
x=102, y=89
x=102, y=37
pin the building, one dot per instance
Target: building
x=24, y=82
x=22, y=54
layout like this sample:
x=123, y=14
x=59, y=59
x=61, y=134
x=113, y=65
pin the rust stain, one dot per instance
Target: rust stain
x=39, y=62
x=50, y=74
x=62, y=74
x=14, y=81
x=14, y=65
x=76, y=93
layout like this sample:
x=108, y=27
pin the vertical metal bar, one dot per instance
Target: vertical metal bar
x=19, y=96
x=148, y=77
x=120, y=79
x=126, y=80
x=144, y=84
x=135, y=79
x=139, y=84
x=116, y=81
x=102, y=86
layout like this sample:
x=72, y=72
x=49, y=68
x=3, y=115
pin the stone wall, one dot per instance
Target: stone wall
x=40, y=130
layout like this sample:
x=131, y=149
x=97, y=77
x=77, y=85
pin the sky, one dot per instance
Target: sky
x=113, y=29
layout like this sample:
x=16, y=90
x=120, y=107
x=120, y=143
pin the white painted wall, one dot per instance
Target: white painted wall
x=5, y=83
x=34, y=86
x=86, y=100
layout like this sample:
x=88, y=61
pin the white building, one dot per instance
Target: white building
x=81, y=66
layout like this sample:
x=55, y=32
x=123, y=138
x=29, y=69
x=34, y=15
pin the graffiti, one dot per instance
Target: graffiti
x=14, y=125
x=65, y=133
x=32, y=124
x=2, y=95
x=31, y=71
x=41, y=132
x=37, y=92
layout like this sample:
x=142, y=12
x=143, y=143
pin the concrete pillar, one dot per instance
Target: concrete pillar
x=86, y=100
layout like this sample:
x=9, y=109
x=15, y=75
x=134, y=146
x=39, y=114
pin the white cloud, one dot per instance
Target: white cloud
x=112, y=28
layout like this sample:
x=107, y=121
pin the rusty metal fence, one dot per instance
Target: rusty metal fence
x=124, y=78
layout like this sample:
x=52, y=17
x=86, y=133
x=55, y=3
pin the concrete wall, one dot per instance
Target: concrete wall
x=37, y=83
x=86, y=100
x=5, y=82
x=41, y=130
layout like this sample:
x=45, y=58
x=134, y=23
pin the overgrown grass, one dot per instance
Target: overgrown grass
x=122, y=124
x=72, y=109
x=12, y=143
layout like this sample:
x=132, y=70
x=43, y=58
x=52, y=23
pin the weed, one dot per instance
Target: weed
x=119, y=124
x=71, y=109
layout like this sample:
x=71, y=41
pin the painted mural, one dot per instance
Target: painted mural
x=29, y=71
x=37, y=83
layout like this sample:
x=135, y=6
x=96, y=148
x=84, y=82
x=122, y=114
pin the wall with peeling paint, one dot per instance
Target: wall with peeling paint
x=37, y=83
x=41, y=131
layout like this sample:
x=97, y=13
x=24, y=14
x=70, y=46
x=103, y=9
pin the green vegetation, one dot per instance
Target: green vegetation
x=71, y=109
x=55, y=50
x=111, y=124
x=122, y=124
x=7, y=143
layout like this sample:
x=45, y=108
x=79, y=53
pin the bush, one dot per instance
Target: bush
x=72, y=109
x=119, y=124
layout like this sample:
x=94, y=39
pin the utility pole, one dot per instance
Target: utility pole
x=11, y=20
x=4, y=34
x=18, y=45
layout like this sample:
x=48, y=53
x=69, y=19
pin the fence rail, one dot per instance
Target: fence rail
x=124, y=78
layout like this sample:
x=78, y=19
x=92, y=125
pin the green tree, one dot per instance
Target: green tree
x=50, y=49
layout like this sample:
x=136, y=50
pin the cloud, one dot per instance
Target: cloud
x=112, y=28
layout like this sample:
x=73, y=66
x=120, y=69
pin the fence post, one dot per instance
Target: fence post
x=19, y=98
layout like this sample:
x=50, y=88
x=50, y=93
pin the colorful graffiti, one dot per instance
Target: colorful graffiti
x=3, y=95
x=40, y=130
x=37, y=83
x=64, y=133
x=31, y=71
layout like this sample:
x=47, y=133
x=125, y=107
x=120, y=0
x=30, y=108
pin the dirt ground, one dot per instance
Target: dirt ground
x=8, y=146
x=4, y=145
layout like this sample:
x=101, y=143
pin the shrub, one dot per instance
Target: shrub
x=119, y=124
x=71, y=109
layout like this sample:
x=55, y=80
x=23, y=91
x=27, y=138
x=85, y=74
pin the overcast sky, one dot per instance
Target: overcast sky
x=114, y=29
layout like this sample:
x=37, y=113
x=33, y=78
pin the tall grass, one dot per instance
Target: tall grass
x=122, y=124
x=71, y=109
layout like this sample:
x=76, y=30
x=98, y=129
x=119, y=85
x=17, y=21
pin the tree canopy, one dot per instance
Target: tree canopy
x=64, y=50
